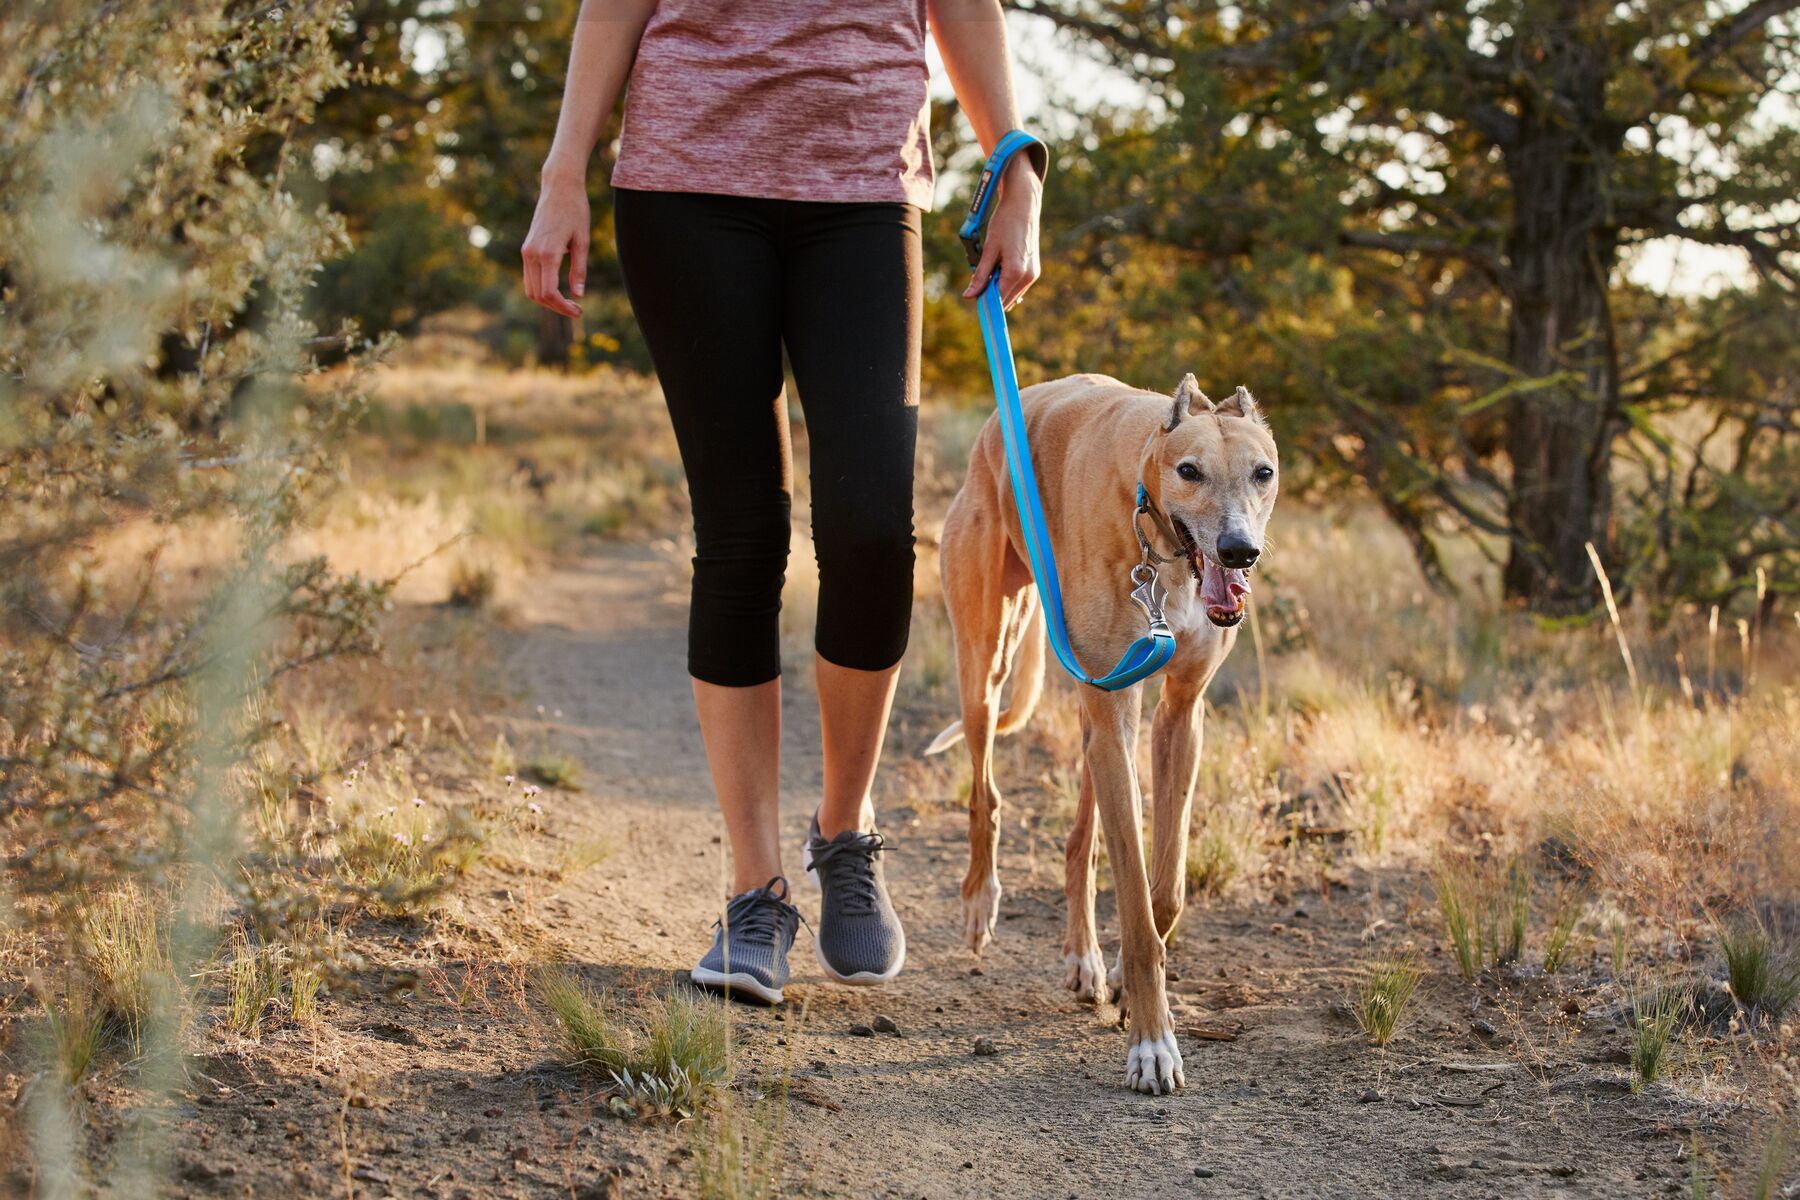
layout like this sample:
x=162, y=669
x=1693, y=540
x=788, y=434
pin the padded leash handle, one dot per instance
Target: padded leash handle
x=1149, y=653
x=974, y=226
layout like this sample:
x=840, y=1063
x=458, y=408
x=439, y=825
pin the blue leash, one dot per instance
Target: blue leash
x=1150, y=653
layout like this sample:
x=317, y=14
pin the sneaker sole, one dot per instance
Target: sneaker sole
x=735, y=985
x=857, y=978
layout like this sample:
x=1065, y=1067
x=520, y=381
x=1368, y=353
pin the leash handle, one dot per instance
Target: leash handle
x=1149, y=653
x=974, y=226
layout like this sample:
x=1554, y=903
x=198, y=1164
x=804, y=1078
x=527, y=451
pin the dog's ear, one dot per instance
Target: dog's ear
x=1242, y=404
x=1189, y=402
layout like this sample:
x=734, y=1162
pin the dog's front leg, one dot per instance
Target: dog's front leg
x=1175, y=741
x=1153, y=1063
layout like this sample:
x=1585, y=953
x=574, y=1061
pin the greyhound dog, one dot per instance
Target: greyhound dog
x=1210, y=473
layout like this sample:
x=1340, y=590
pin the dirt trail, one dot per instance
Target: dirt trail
x=1292, y=1107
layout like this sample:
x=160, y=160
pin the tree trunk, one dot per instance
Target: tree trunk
x=1559, y=437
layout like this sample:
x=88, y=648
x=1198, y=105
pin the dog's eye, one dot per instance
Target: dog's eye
x=1263, y=473
x=1189, y=472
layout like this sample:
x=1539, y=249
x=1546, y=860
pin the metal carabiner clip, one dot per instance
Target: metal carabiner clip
x=1149, y=595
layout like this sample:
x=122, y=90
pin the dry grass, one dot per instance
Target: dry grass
x=124, y=947
x=252, y=978
x=1405, y=730
x=394, y=847
x=75, y=1028
x=737, y=1148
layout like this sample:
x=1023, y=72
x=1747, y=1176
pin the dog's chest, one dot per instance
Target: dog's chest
x=1181, y=607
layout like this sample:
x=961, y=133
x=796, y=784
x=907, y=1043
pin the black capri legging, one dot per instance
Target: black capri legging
x=719, y=285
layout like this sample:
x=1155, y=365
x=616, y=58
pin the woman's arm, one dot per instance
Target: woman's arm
x=971, y=35
x=606, y=42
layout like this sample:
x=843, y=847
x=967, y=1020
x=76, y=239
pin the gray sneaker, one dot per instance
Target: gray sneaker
x=859, y=939
x=748, y=958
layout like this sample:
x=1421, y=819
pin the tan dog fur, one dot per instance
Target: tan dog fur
x=1088, y=435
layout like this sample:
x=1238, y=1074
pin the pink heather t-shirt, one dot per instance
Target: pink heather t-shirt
x=783, y=99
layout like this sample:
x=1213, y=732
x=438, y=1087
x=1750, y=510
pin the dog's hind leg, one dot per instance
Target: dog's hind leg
x=1175, y=740
x=1153, y=1063
x=988, y=591
x=1084, y=969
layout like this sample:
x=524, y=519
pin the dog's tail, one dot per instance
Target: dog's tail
x=1028, y=684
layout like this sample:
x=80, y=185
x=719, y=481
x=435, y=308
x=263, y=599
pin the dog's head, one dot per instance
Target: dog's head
x=1212, y=469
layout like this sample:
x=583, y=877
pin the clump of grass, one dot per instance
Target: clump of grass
x=1656, y=1013
x=1219, y=853
x=252, y=981
x=1388, y=983
x=1621, y=947
x=304, y=982
x=501, y=758
x=557, y=771
x=1456, y=903
x=76, y=1026
x=1763, y=978
x=1486, y=906
x=662, y=1058
x=737, y=1153
x=400, y=853
x=1512, y=913
x=1700, y=1174
x=582, y=856
x=472, y=585
x=598, y=1040
x=1774, y=1165
x=608, y=522
x=1571, y=906
x=126, y=952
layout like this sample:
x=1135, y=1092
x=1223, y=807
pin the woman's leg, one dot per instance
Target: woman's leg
x=705, y=284
x=853, y=718
x=741, y=727
x=852, y=326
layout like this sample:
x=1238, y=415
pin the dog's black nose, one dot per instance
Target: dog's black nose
x=1237, y=551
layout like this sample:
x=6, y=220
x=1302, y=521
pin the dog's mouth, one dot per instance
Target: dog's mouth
x=1222, y=589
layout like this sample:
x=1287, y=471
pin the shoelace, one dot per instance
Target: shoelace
x=761, y=915
x=855, y=869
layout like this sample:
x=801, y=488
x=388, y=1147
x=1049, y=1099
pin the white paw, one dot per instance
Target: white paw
x=1154, y=1066
x=980, y=912
x=1085, y=975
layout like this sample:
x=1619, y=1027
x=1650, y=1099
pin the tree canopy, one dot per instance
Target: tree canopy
x=1416, y=225
x=1416, y=216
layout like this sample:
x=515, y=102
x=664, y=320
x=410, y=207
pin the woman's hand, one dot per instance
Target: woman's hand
x=600, y=57
x=560, y=228
x=1012, y=235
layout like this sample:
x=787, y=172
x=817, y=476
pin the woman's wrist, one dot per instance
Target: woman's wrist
x=561, y=168
x=1020, y=173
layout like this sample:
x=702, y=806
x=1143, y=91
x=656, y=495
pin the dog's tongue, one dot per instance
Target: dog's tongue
x=1222, y=589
